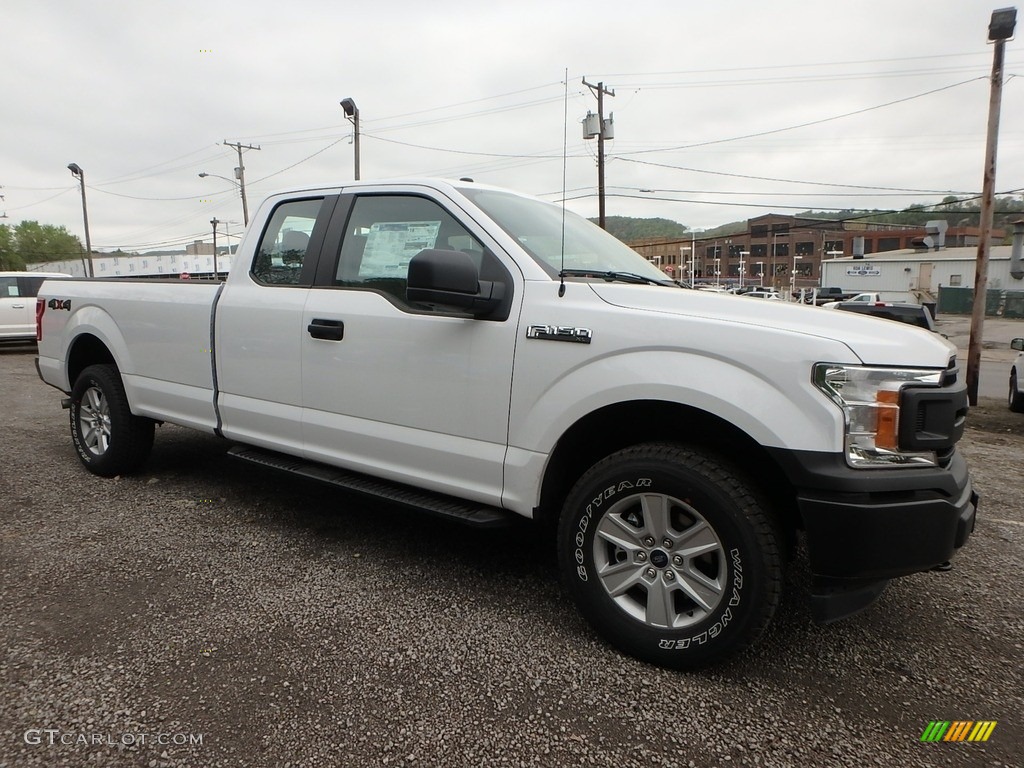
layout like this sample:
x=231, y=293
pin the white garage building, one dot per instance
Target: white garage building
x=907, y=274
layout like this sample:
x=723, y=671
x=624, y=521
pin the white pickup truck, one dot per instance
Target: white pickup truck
x=482, y=355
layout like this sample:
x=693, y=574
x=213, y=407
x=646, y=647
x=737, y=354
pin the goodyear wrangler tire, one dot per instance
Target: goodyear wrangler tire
x=670, y=556
x=108, y=438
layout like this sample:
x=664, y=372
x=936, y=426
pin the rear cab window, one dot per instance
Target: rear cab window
x=290, y=242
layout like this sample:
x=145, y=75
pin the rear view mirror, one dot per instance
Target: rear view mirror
x=1017, y=344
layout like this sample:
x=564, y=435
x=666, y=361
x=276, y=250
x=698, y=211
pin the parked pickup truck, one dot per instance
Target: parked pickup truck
x=482, y=355
x=875, y=297
x=821, y=296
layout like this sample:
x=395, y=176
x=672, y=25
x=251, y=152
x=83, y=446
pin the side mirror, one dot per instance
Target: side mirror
x=450, y=280
x=1017, y=344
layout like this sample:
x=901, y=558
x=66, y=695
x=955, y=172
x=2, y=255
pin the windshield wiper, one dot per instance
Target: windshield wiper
x=611, y=275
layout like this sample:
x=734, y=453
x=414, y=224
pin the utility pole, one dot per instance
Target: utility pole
x=240, y=175
x=1000, y=29
x=603, y=131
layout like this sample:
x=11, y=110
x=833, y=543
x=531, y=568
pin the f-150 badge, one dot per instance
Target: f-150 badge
x=560, y=333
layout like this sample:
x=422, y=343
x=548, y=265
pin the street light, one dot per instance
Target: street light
x=743, y=265
x=241, y=189
x=760, y=271
x=352, y=114
x=78, y=173
x=692, y=248
x=792, y=275
x=775, y=249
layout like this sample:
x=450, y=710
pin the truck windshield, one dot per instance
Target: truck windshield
x=537, y=227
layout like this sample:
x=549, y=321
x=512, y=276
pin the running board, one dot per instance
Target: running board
x=459, y=510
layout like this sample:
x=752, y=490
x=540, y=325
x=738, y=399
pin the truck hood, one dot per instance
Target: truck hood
x=875, y=341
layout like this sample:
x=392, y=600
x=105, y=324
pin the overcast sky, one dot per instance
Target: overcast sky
x=722, y=110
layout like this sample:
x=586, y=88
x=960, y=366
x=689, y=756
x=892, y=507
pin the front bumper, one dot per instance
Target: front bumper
x=864, y=527
x=882, y=534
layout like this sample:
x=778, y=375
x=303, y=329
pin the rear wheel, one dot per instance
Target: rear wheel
x=108, y=438
x=1016, y=398
x=670, y=556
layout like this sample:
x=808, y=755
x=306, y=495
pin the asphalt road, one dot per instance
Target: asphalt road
x=205, y=613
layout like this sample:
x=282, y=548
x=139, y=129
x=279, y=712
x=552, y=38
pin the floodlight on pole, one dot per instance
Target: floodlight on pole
x=78, y=173
x=352, y=115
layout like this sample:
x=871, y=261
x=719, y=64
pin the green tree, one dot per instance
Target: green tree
x=10, y=261
x=35, y=242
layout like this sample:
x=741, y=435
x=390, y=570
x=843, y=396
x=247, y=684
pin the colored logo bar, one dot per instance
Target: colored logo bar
x=958, y=730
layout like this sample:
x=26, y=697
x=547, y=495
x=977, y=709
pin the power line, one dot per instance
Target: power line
x=771, y=131
x=916, y=208
x=797, y=181
x=816, y=65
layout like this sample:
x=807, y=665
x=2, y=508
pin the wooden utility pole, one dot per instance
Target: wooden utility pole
x=999, y=31
x=601, y=91
x=240, y=174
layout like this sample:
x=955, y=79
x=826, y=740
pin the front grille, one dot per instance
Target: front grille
x=932, y=419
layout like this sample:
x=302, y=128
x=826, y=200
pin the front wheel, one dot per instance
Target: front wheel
x=108, y=438
x=670, y=556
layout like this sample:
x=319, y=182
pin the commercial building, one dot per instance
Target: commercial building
x=785, y=251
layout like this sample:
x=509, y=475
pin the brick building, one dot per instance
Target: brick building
x=789, y=248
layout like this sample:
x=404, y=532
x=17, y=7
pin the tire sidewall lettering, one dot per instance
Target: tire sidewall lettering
x=719, y=626
x=596, y=505
x=75, y=411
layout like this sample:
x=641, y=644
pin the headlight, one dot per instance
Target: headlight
x=870, y=400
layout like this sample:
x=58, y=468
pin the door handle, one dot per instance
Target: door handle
x=328, y=330
x=17, y=306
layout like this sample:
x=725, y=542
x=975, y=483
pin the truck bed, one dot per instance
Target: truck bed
x=159, y=331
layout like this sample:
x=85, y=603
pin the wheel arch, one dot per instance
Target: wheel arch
x=620, y=425
x=87, y=350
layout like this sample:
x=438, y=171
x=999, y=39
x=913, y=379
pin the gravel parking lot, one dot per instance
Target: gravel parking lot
x=206, y=613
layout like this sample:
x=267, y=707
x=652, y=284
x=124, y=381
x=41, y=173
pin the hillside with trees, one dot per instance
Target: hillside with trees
x=628, y=228
x=955, y=210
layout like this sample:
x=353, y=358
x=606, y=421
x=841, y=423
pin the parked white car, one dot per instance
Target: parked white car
x=1016, y=397
x=18, y=303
